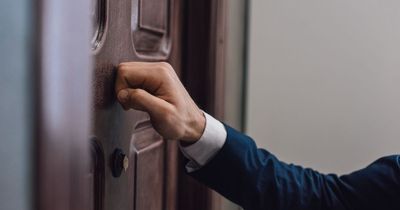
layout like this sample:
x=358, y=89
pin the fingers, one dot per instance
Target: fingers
x=147, y=76
x=140, y=99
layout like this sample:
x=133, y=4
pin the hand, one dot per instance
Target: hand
x=155, y=88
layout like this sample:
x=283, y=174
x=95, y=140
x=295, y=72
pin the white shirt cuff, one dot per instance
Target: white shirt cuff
x=209, y=144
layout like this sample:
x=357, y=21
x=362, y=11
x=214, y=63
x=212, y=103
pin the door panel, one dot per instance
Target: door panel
x=133, y=30
x=122, y=30
x=151, y=24
x=153, y=15
x=147, y=147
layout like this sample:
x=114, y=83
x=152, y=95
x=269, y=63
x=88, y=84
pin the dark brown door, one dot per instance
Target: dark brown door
x=133, y=167
x=93, y=155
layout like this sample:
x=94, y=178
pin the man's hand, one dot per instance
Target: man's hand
x=155, y=88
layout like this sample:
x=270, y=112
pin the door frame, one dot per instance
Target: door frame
x=203, y=75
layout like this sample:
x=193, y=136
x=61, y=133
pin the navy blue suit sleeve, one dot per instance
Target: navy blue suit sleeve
x=256, y=180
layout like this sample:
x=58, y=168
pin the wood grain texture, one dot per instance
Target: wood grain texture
x=190, y=37
x=150, y=173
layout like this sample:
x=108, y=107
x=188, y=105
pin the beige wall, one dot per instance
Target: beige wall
x=324, y=81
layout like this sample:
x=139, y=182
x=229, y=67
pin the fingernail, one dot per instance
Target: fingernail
x=123, y=95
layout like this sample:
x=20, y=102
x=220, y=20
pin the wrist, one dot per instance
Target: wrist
x=195, y=129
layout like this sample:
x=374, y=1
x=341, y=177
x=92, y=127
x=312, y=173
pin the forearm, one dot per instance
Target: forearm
x=234, y=166
x=256, y=179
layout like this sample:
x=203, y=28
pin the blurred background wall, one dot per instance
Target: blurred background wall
x=324, y=81
x=321, y=79
x=16, y=104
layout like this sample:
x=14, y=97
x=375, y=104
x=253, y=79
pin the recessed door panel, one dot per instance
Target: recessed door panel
x=147, y=148
x=98, y=13
x=151, y=28
x=153, y=15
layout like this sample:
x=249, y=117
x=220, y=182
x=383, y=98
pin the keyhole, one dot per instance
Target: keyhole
x=120, y=162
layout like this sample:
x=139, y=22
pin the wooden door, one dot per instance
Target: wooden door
x=133, y=167
x=91, y=154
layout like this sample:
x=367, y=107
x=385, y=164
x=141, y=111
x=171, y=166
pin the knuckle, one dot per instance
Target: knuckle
x=122, y=65
x=123, y=68
x=165, y=67
x=126, y=63
x=133, y=95
x=165, y=64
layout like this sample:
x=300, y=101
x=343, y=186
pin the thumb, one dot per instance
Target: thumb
x=140, y=99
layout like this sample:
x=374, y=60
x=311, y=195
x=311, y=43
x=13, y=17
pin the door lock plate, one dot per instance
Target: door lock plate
x=119, y=162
